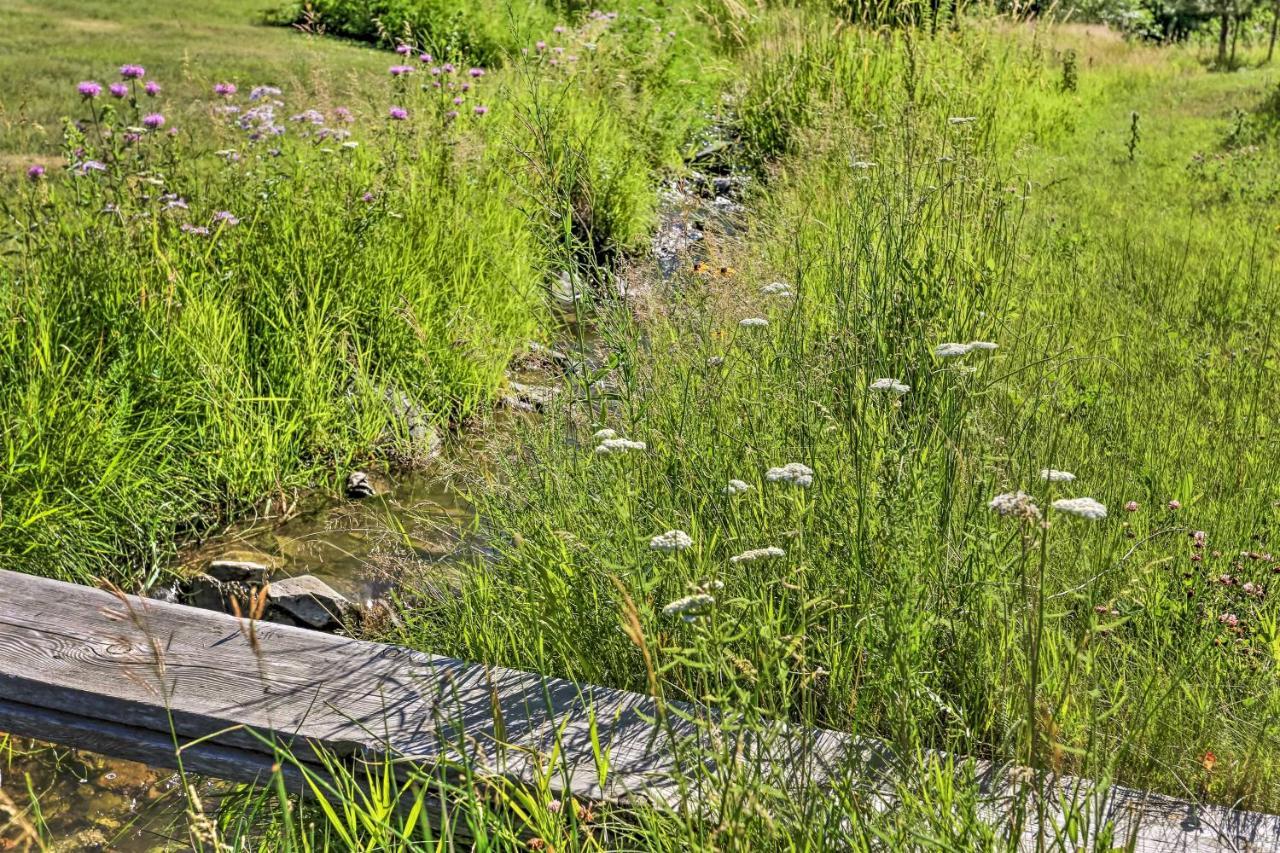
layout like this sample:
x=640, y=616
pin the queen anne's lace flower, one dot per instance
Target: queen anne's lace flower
x=1018, y=504
x=737, y=487
x=753, y=323
x=672, y=540
x=1053, y=475
x=690, y=607
x=794, y=473
x=951, y=350
x=758, y=554
x=612, y=446
x=601, y=435
x=892, y=385
x=982, y=345
x=776, y=288
x=1082, y=507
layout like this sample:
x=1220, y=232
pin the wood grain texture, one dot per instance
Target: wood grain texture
x=122, y=668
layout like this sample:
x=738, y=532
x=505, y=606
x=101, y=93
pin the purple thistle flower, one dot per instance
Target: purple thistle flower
x=118, y=90
x=397, y=70
x=152, y=88
x=132, y=72
x=343, y=115
x=367, y=198
x=226, y=217
x=435, y=70
x=540, y=46
x=398, y=113
x=476, y=72
x=90, y=166
x=457, y=101
x=35, y=173
x=465, y=87
x=403, y=49
x=224, y=89
x=89, y=89
x=448, y=68
x=198, y=230
x=153, y=121
x=425, y=58
x=130, y=138
x=480, y=109
x=558, y=29
x=452, y=114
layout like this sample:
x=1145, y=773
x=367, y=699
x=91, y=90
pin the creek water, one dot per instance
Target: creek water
x=419, y=521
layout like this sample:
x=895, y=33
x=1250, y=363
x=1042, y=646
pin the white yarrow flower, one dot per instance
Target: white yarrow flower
x=758, y=554
x=950, y=350
x=793, y=473
x=753, y=323
x=690, y=607
x=737, y=487
x=1053, y=475
x=961, y=119
x=1082, y=507
x=672, y=540
x=1015, y=503
x=777, y=288
x=893, y=385
x=983, y=345
x=601, y=435
x=611, y=446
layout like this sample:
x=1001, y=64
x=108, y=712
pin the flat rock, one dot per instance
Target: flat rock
x=529, y=398
x=237, y=571
x=308, y=600
x=209, y=593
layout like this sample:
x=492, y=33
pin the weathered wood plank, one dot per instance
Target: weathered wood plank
x=79, y=663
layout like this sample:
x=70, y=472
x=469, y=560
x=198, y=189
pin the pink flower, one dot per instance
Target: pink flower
x=224, y=89
x=1230, y=620
x=403, y=49
x=480, y=109
x=152, y=88
x=89, y=89
x=398, y=113
x=153, y=121
x=118, y=90
x=476, y=72
x=540, y=46
x=398, y=70
x=425, y=58
x=35, y=173
x=1175, y=505
x=132, y=72
x=1131, y=506
x=457, y=102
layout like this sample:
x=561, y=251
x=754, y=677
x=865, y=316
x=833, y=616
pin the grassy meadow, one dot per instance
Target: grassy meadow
x=965, y=441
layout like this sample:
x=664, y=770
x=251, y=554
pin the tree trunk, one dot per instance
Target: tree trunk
x=1235, y=36
x=1275, y=23
x=1224, y=27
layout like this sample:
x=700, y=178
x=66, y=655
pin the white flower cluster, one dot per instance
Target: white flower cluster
x=894, y=386
x=672, y=540
x=758, y=554
x=753, y=323
x=737, y=487
x=601, y=435
x=1081, y=507
x=611, y=444
x=794, y=473
x=1053, y=475
x=690, y=607
x=1018, y=503
x=952, y=350
x=777, y=288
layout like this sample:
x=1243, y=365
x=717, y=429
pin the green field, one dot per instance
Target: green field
x=1098, y=215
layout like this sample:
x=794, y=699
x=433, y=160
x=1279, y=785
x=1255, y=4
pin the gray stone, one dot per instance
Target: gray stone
x=308, y=600
x=237, y=571
x=529, y=398
x=210, y=593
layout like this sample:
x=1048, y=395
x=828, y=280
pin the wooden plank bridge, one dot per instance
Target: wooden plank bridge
x=133, y=678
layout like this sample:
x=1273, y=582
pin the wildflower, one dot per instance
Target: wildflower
x=1131, y=506
x=601, y=435
x=172, y=201
x=611, y=446
x=1174, y=505
x=451, y=115
x=89, y=89
x=448, y=68
x=403, y=49
x=986, y=346
x=1208, y=760
x=312, y=116
x=1252, y=589
x=351, y=145
x=480, y=109
x=776, y=288
x=90, y=166
x=118, y=90
x=227, y=218
x=540, y=46
x=35, y=172
x=753, y=323
x=1053, y=475
x=153, y=121
x=690, y=607
x=558, y=29
x=226, y=90
x=1082, y=507
x=400, y=70
x=961, y=119
x=398, y=113
x=257, y=93
x=476, y=72
x=197, y=230
x=1018, y=504
x=793, y=472
x=1230, y=620
x=951, y=350
x=758, y=554
x=425, y=58
x=152, y=88
x=891, y=385
x=1198, y=539
x=457, y=101
x=737, y=487
x=672, y=540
